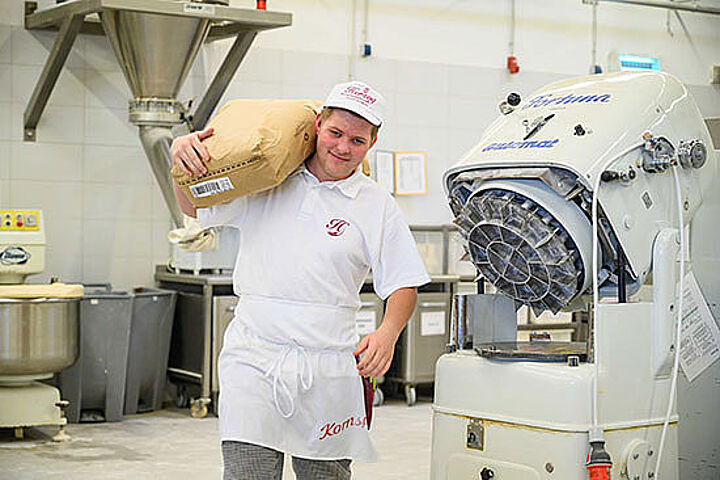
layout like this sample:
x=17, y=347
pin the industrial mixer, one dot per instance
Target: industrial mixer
x=598, y=196
x=38, y=327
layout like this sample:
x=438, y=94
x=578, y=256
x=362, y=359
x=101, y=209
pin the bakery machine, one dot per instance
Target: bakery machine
x=599, y=196
x=38, y=327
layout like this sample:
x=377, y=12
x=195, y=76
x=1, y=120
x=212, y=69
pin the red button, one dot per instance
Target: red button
x=19, y=224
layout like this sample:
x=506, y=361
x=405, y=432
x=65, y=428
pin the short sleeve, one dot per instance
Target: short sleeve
x=232, y=213
x=396, y=263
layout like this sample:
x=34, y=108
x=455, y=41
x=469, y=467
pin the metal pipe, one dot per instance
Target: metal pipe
x=459, y=323
x=156, y=141
x=692, y=7
x=622, y=287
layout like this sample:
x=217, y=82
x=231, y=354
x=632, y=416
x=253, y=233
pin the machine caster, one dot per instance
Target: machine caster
x=410, y=395
x=379, y=397
x=198, y=407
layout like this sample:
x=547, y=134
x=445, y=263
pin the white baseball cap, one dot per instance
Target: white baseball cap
x=359, y=98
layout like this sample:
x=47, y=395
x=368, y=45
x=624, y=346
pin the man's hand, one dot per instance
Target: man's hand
x=378, y=348
x=189, y=154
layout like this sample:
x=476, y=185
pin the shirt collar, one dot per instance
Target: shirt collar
x=348, y=186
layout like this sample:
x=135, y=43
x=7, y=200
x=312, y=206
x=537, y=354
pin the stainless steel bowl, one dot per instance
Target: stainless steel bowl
x=37, y=336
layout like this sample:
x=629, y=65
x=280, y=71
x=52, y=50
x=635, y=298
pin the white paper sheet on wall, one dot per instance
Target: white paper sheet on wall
x=700, y=339
x=365, y=320
x=432, y=323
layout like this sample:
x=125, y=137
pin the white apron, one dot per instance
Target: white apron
x=288, y=380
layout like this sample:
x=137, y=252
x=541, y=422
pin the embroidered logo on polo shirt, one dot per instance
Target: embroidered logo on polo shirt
x=336, y=227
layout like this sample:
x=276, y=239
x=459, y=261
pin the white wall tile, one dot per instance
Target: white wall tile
x=123, y=272
x=5, y=41
x=160, y=211
x=46, y=162
x=111, y=201
x=193, y=89
x=62, y=264
x=471, y=114
x=261, y=65
x=323, y=71
x=475, y=82
x=69, y=89
x=251, y=89
x=5, y=83
x=32, y=47
x=61, y=200
x=6, y=112
x=380, y=73
x=313, y=92
x=57, y=124
x=117, y=238
x=106, y=89
x=11, y=13
x=160, y=243
x=4, y=192
x=4, y=160
x=422, y=77
x=116, y=164
x=419, y=109
x=63, y=255
x=99, y=55
x=106, y=126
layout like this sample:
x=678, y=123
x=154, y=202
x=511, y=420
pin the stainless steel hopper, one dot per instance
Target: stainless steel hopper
x=155, y=42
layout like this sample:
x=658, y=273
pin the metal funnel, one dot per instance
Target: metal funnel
x=155, y=42
x=155, y=52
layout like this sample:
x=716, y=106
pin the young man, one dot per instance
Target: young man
x=289, y=381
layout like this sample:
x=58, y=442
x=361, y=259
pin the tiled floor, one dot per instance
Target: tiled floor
x=169, y=444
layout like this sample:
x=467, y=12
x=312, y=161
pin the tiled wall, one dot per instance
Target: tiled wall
x=106, y=220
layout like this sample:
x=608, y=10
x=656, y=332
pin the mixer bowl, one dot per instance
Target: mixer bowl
x=38, y=337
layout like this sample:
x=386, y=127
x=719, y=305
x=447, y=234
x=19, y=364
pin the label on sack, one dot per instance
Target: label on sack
x=211, y=187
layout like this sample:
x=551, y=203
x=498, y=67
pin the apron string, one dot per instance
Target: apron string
x=280, y=387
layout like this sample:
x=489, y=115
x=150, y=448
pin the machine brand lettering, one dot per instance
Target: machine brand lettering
x=550, y=99
x=333, y=428
x=361, y=94
x=521, y=145
x=336, y=227
x=14, y=256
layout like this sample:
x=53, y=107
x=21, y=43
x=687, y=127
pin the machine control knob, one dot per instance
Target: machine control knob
x=513, y=99
x=692, y=153
x=487, y=474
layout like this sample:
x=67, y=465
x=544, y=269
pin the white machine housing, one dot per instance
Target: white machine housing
x=614, y=136
x=613, y=112
x=22, y=244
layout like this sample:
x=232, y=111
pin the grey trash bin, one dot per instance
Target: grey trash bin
x=152, y=319
x=95, y=384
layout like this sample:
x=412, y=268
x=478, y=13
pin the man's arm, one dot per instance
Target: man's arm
x=379, y=346
x=185, y=206
x=190, y=155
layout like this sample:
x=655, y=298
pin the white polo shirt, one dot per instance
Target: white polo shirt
x=315, y=243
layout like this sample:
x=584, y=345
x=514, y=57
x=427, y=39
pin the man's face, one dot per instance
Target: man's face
x=343, y=140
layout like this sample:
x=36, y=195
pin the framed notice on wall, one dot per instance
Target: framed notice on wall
x=410, y=173
x=385, y=169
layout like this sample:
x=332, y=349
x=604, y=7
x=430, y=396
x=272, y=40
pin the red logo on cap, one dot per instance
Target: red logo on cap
x=336, y=227
x=360, y=94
